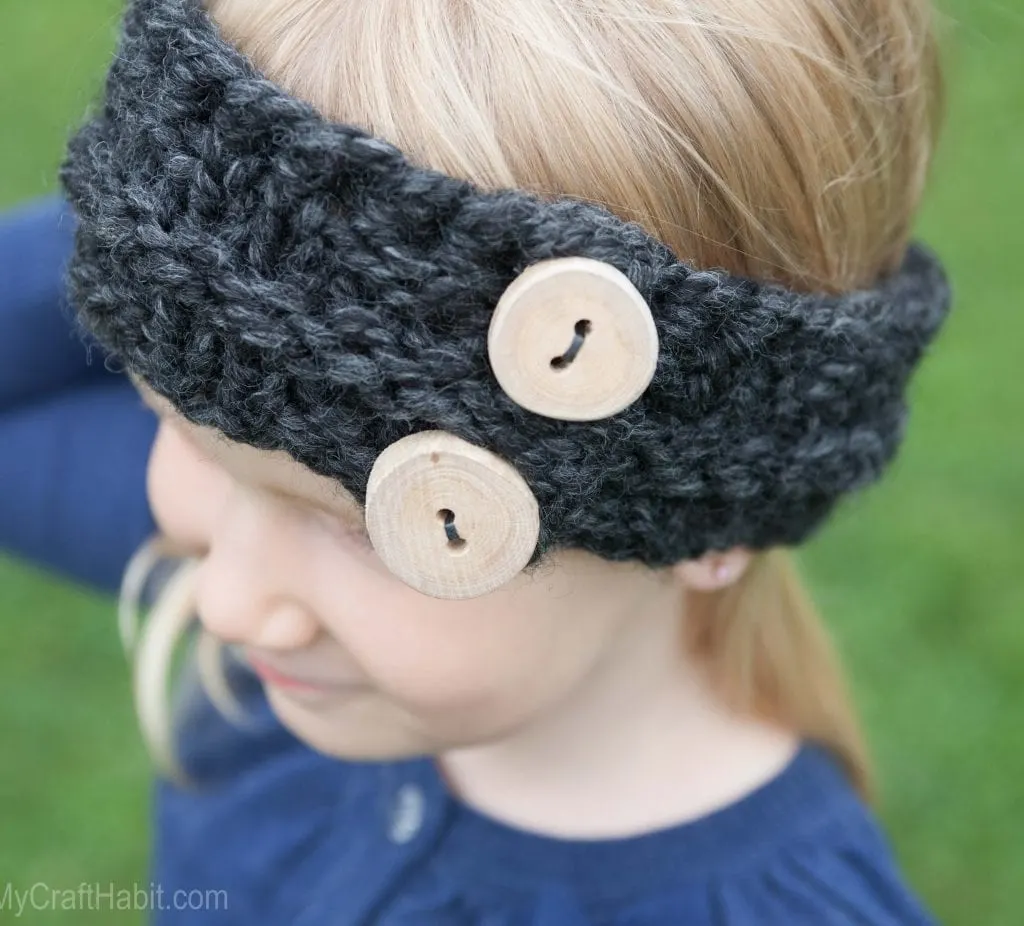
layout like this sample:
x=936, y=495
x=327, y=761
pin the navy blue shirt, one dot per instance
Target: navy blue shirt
x=275, y=833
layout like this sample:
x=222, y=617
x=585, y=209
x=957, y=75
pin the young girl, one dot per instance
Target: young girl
x=485, y=488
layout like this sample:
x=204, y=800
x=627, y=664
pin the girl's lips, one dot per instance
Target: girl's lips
x=282, y=680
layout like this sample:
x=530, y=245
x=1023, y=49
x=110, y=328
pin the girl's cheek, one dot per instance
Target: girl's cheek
x=185, y=491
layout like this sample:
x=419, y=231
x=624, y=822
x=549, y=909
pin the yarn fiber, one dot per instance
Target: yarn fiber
x=300, y=286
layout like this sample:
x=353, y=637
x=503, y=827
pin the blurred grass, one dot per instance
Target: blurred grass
x=921, y=578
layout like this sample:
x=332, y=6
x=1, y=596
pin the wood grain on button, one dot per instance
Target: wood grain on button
x=449, y=518
x=573, y=339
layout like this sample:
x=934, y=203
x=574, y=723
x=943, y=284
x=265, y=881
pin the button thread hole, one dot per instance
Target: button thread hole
x=456, y=543
x=580, y=333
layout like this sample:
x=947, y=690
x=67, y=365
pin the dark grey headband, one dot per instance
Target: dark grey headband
x=300, y=286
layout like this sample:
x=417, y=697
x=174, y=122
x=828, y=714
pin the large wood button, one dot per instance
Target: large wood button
x=449, y=518
x=573, y=339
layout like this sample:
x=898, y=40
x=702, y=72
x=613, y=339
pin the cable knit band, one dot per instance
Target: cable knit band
x=300, y=286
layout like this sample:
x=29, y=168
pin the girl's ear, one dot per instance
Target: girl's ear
x=714, y=571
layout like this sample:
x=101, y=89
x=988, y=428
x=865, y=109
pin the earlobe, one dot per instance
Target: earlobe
x=715, y=570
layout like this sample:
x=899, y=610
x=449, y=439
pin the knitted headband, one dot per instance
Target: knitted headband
x=493, y=375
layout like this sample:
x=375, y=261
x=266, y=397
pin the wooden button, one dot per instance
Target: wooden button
x=449, y=518
x=573, y=339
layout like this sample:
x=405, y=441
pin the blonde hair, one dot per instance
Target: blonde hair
x=783, y=139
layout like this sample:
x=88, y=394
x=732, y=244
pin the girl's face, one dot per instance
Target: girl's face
x=355, y=662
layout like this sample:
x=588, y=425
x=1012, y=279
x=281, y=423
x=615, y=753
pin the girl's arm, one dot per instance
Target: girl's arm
x=40, y=351
x=72, y=480
x=74, y=438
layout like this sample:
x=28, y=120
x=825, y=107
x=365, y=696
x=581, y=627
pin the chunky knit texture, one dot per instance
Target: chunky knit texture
x=300, y=286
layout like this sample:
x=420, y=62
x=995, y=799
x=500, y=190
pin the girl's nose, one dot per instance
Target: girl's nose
x=287, y=626
x=241, y=595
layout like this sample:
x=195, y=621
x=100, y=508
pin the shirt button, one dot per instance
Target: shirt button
x=407, y=814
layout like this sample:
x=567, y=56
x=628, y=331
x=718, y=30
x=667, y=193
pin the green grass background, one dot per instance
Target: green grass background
x=921, y=578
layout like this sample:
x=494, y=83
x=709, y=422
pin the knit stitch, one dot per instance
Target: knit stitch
x=300, y=286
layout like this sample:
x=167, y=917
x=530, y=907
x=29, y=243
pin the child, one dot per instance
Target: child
x=485, y=487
